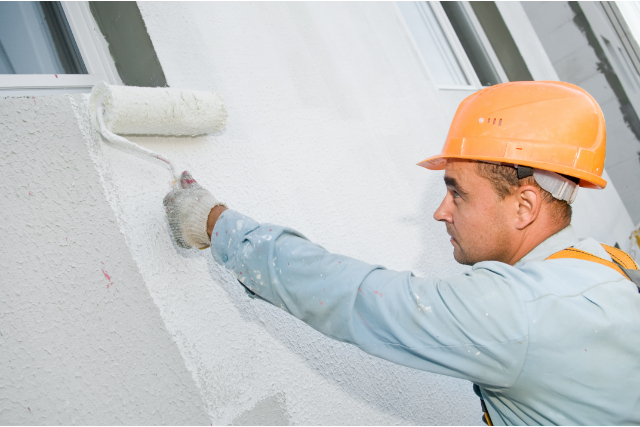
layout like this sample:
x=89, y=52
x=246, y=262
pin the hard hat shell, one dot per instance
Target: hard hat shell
x=554, y=126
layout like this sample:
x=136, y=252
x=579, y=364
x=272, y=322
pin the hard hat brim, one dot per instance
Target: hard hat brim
x=587, y=180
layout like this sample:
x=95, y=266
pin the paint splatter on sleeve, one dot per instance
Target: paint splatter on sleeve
x=428, y=324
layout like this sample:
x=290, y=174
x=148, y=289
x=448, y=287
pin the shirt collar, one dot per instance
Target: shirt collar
x=563, y=239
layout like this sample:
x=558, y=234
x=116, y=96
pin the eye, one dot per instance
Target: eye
x=455, y=194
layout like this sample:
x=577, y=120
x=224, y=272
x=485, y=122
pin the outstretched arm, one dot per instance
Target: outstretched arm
x=440, y=326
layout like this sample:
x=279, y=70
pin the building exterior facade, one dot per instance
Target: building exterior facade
x=331, y=105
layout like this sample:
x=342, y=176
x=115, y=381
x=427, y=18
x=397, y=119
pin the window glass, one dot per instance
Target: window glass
x=433, y=44
x=468, y=36
x=35, y=38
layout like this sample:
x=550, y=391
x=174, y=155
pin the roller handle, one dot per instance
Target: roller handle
x=124, y=144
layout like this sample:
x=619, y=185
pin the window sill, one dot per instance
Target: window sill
x=46, y=84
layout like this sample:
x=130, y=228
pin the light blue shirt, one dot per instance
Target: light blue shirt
x=548, y=342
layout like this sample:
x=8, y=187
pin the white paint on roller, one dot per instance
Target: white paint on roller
x=154, y=111
x=159, y=111
x=126, y=145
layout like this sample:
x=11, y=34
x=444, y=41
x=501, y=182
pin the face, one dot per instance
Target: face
x=476, y=218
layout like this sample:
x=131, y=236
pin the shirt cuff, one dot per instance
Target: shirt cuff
x=229, y=232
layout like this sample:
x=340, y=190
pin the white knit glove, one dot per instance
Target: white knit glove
x=188, y=210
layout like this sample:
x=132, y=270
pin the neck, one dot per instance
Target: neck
x=530, y=237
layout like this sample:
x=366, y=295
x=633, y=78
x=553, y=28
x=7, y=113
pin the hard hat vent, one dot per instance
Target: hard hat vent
x=490, y=122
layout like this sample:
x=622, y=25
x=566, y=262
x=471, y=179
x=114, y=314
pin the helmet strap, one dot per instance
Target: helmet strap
x=524, y=171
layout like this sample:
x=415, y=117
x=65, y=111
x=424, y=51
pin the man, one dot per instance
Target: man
x=547, y=326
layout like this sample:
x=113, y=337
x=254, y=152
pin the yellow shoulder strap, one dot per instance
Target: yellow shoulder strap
x=586, y=256
x=620, y=257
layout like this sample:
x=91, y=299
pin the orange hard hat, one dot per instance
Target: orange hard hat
x=552, y=126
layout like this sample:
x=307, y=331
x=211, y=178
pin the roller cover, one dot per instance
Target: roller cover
x=131, y=110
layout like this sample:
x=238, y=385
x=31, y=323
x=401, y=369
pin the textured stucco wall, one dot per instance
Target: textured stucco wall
x=81, y=341
x=329, y=110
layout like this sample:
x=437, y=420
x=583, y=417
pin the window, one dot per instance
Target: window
x=465, y=45
x=477, y=49
x=502, y=42
x=51, y=47
x=434, y=43
x=35, y=38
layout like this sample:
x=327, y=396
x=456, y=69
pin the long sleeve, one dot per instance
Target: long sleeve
x=471, y=326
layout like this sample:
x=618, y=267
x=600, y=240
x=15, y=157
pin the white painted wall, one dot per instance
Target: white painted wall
x=81, y=341
x=329, y=111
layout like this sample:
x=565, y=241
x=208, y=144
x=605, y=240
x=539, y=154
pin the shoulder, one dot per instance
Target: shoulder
x=554, y=278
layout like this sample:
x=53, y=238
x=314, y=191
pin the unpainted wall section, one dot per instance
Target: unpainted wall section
x=561, y=28
x=82, y=341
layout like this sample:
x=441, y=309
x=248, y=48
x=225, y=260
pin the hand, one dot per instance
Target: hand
x=213, y=218
x=188, y=211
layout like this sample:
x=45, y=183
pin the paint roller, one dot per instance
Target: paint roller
x=130, y=110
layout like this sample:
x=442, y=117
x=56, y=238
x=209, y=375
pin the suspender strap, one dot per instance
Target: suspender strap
x=620, y=257
x=485, y=414
x=622, y=262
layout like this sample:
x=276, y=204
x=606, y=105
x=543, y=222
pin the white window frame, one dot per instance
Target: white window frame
x=93, y=49
x=456, y=47
x=521, y=29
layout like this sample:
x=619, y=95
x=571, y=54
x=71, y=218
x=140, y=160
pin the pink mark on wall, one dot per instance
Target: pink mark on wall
x=321, y=303
x=106, y=275
x=34, y=100
x=30, y=193
x=360, y=290
x=379, y=293
x=56, y=76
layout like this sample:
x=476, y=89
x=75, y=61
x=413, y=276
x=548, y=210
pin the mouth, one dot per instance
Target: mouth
x=452, y=239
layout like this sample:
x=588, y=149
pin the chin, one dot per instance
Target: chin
x=461, y=258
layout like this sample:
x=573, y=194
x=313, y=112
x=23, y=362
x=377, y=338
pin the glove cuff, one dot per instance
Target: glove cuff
x=194, y=229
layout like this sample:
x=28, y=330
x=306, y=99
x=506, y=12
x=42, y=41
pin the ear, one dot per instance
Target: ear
x=528, y=203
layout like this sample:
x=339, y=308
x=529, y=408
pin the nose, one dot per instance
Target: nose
x=443, y=213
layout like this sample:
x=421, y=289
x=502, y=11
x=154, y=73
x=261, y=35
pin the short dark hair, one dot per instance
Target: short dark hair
x=505, y=182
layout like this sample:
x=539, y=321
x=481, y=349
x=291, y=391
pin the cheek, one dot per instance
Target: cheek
x=478, y=222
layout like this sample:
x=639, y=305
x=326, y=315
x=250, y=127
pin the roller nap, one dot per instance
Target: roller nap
x=132, y=110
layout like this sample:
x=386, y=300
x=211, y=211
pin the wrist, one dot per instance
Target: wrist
x=214, y=214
